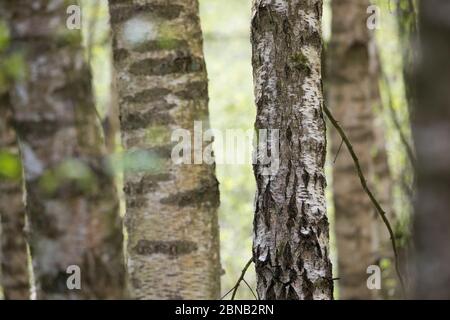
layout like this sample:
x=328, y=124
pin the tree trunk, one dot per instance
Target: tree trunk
x=382, y=178
x=14, y=256
x=72, y=204
x=431, y=132
x=171, y=210
x=351, y=104
x=290, y=247
x=408, y=34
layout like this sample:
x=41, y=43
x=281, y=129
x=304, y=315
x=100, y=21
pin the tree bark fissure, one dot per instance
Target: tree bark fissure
x=291, y=238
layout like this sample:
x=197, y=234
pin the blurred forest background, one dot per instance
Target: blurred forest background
x=226, y=32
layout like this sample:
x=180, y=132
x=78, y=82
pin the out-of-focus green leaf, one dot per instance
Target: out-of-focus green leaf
x=10, y=165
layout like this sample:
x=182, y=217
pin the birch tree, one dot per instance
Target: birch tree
x=14, y=256
x=71, y=200
x=431, y=131
x=351, y=102
x=290, y=247
x=171, y=209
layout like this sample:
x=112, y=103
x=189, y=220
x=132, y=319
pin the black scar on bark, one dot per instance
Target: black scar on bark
x=194, y=90
x=122, y=13
x=139, y=120
x=162, y=44
x=171, y=248
x=120, y=55
x=206, y=193
x=146, y=183
x=167, y=65
x=148, y=95
x=305, y=178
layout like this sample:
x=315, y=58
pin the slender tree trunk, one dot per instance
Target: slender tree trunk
x=171, y=210
x=431, y=131
x=381, y=174
x=290, y=247
x=71, y=200
x=351, y=104
x=14, y=256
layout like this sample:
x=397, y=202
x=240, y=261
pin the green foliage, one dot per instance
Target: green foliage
x=12, y=65
x=10, y=165
x=72, y=171
x=4, y=36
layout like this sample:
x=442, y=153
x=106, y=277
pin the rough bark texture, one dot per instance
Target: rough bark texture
x=431, y=131
x=351, y=103
x=290, y=247
x=71, y=200
x=171, y=210
x=14, y=256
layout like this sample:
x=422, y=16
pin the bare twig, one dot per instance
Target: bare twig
x=241, y=278
x=250, y=288
x=339, y=150
x=377, y=205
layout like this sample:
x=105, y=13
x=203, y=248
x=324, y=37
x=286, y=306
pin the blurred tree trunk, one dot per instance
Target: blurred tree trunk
x=290, y=247
x=382, y=177
x=352, y=105
x=171, y=210
x=71, y=199
x=14, y=256
x=431, y=132
x=408, y=33
x=111, y=124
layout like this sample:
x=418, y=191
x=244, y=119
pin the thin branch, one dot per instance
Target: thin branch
x=380, y=210
x=251, y=290
x=339, y=150
x=241, y=278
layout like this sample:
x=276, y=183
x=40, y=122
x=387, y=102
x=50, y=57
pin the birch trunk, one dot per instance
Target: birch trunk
x=171, y=210
x=71, y=200
x=290, y=247
x=14, y=256
x=351, y=104
x=431, y=132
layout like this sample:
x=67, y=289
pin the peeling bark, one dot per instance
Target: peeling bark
x=290, y=248
x=14, y=256
x=71, y=200
x=171, y=210
x=352, y=105
x=431, y=132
